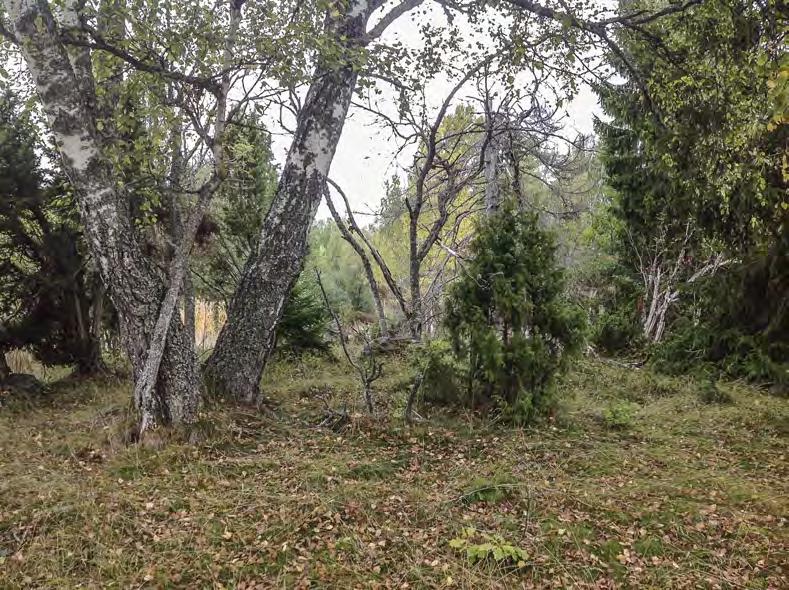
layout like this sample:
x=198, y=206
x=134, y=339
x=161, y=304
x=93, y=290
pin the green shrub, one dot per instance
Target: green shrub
x=305, y=320
x=507, y=320
x=480, y=546
x=705, y=349
x=612, y=302
x=619, y=415
x=734, y=324
x=616, y=331
x=443, y=373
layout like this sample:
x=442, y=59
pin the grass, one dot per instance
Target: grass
x=685, y=495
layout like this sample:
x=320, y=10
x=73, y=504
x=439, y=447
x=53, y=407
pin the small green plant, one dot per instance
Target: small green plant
x=480, y=546
x=491, y=491
x=443, y=374
x=616, y=330
x=619, y=415
x=346, y=545
x=711, y=394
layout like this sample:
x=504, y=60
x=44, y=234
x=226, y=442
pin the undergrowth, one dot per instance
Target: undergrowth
x=690, y=495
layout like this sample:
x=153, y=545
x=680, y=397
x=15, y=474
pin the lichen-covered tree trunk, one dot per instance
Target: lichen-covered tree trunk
x=177, y=229
x=245, y=342
x=491, y=164
x=135, y=287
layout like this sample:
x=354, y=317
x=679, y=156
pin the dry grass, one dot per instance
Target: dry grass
x=22, y=361
x=209, y=318
x=686, y=495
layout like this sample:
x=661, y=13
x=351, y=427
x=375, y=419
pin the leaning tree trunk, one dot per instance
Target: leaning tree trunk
x=246, y=340
x=366, y=265
x=135, y=287
x=177, y=229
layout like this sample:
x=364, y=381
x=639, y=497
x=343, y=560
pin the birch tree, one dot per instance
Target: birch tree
x=63, y=51
x=246, y=340
x=135, y=288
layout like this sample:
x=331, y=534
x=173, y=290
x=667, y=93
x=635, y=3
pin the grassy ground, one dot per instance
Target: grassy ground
x=638, y=483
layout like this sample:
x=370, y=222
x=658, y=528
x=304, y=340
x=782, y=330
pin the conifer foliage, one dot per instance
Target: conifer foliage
x=507, y=318
x=50, y=301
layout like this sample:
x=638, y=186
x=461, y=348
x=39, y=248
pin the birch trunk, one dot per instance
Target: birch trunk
x=246, y=340
x=491, y=164
x=177, y=228
x=189, y=311
x=135, y=287
x=414, y=271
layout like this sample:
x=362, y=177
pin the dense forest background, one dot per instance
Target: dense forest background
x=668, y=224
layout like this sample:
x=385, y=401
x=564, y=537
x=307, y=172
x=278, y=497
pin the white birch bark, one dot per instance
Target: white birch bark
x=245, y=341
x=63, y=85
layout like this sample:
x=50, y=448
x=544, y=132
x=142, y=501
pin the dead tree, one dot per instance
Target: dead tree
x=369, y=368
x=665, y=268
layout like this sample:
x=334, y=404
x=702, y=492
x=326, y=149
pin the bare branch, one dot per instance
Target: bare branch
x=392, y=16
x=385, y=271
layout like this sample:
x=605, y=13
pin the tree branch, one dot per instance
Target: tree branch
x=391, y=16
x=100, y=43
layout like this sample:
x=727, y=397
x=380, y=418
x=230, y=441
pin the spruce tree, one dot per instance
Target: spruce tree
x=50, y=301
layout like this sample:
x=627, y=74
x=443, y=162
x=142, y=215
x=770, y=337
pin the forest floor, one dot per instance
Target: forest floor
x=637, y=483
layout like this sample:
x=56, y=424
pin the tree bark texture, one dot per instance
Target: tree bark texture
x=135, y=287
x=246, y=340
x=492, y=150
